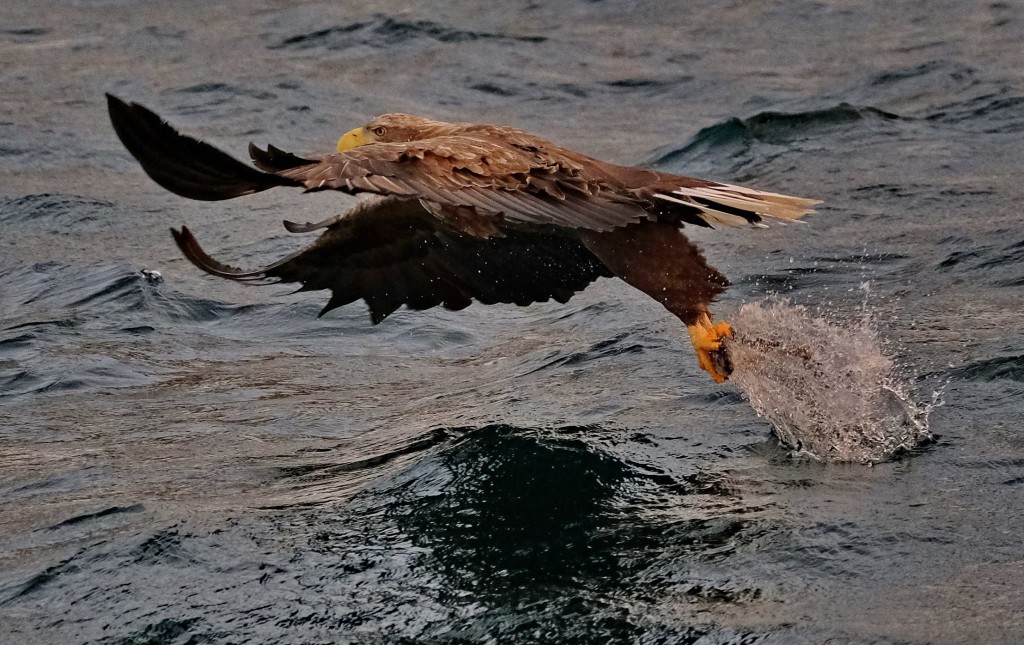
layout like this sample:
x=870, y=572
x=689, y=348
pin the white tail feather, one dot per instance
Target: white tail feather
x=765, y=204
x=708, y=213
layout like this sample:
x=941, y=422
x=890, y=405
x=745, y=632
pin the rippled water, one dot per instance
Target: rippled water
x=188, y=460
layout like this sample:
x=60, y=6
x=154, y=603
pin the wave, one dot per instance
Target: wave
x=50, y=291
x=21, y=34
x=62, y=214
x=65, y=328
x=603, y=349
x=995, y=112
x=924, y=70
x=215, y=98
x=993, y=369
x=95, y=515
x=225, y=89
x=948, y=92
x=385, y=32
x=504, y=86
x=999, y=265
x=774, y=128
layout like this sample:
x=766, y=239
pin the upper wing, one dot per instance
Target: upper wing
x=521, y=185
x=501, y=173
x=391, y=252
x=492, y=176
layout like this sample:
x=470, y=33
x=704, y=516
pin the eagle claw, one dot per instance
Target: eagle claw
x=707, y=341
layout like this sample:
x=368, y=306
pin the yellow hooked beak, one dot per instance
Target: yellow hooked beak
x=353, y=139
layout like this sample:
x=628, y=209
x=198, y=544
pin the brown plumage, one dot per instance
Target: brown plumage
x=469, y=212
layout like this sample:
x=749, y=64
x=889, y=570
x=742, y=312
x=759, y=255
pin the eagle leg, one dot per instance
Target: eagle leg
x=707, y=341
x=656, y=258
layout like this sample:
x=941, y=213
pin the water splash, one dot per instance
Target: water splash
x=828, y=389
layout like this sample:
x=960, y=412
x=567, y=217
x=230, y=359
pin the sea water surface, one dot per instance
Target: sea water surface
x=184, y=460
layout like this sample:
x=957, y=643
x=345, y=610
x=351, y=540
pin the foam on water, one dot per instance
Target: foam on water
x=828, y=388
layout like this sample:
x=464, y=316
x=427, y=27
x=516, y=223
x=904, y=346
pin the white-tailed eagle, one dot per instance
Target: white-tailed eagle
x=467, y=211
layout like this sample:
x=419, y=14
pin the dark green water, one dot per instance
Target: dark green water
x=191, y=461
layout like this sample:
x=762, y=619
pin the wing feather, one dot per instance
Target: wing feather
x=502, y=173
x=391, y=252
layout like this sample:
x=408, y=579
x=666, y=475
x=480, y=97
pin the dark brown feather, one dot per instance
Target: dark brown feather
x=659, y=260
x=181, y=164
x=390, y=253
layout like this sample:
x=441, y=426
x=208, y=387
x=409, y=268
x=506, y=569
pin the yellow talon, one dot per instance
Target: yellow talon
x=706, y=338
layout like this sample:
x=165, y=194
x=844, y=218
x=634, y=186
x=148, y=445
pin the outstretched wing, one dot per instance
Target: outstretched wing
x=181, y=164
x=532, y=186
x=519, y=185
x=501, y=173
x=391, y=252
x=490, y=175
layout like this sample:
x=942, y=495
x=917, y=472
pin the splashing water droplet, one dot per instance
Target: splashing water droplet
x=828, y=389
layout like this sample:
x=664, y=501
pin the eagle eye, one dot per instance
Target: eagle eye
x=379, y=131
